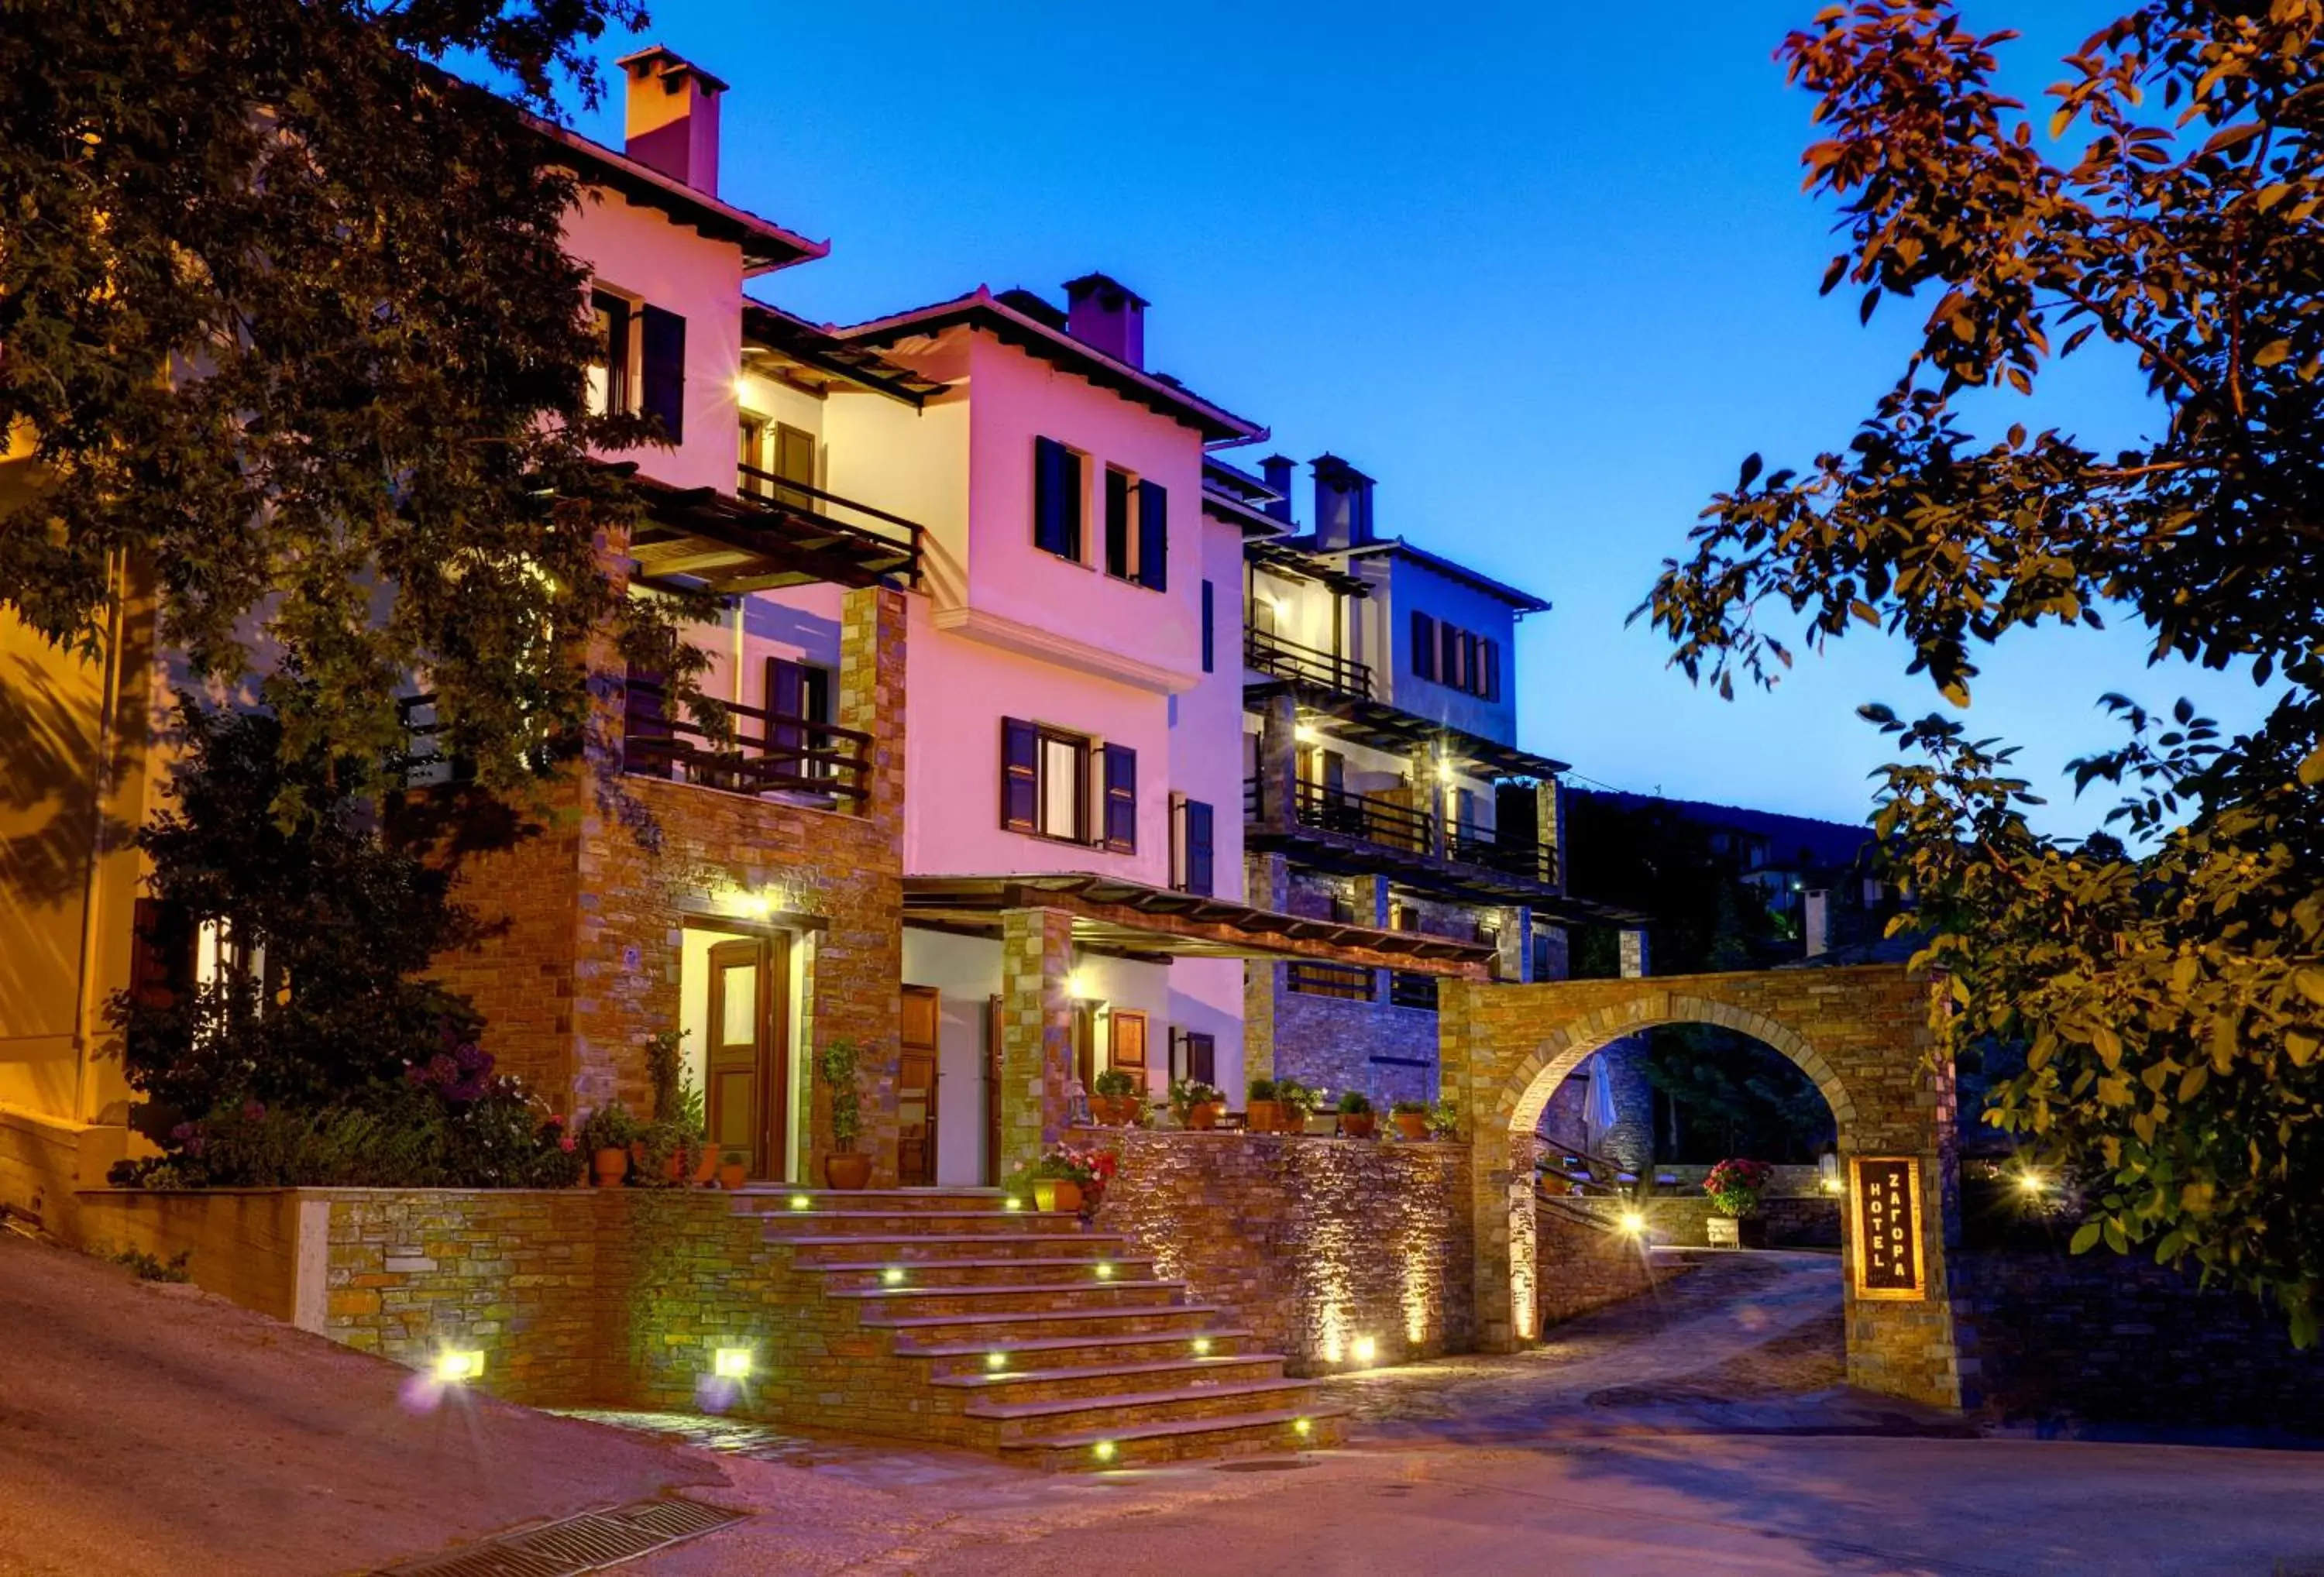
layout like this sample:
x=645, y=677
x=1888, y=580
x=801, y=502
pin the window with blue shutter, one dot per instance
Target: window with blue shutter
x=1121, y=800
x=1057, y=499
x=1209, y=627
x=1489, y=661
x=1021, y=776
x=661, y=336
x=1117, y=523
x=1153, y=536
x=1195, y=842
x=1424, y=647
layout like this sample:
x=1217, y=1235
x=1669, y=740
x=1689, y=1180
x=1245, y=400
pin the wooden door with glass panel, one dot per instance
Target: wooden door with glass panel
x=746, y=1061
x=916, y=1088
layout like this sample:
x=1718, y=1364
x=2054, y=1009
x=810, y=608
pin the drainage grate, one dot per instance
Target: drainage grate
x=590, y=1542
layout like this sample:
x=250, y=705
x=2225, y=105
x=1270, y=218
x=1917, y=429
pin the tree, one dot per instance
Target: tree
x=2167, y=988
x=288, y=320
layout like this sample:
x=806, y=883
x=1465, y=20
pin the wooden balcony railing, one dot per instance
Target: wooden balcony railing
x=843, y=515
x=767, y=752
x=1289, y=660
x=1344, y=981
x=1524, y=859
x=1377, y=820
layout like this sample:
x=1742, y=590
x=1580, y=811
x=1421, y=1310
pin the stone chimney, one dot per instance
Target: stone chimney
x=1344, y=503
x=1107, y=315
x=1815, y=921
x=1276, y=472
x=672, y=117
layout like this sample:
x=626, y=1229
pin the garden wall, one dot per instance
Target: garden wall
x=1586, y=1263
x=1316, y=1243
x=1681, y=1222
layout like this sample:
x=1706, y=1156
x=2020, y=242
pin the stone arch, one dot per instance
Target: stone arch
x=1860, y=1035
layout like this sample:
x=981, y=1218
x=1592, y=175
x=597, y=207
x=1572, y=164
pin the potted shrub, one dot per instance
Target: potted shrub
x=1300, y=1106
x=606, y=1136
x=1198, y=1105
x=1411, y=1118
x=843, y=1168
x=1117, y=1098
x=1356, y=1117
x=1735, y=1187
x=1067, y=1179
x=1443, y=1120
x=1262, y=1112
x=670, y=1151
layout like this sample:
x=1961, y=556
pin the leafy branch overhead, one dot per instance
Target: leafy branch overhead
x=289, y=327
x=2164, y=981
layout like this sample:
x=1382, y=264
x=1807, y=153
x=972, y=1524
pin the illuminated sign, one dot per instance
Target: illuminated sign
x=1884, y=1193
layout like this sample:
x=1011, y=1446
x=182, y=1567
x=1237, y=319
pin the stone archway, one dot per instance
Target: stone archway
x=1860, y=1034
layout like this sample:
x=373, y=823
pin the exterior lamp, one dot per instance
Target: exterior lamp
x=1012, y=1203
x=1306, y=734
x=457, y=1366
x=1828, y=1172
x=1303, y=1427
x=893, y=1276
x=1080, y=986
x=1633, y=1221
x=1104, y=1270
x=996, y=1362
x=1105, y=1449
x=1364, y=1349
x=1202, y=1346
x=732, y=1363
x=800, y=1202
x=2033, y=1183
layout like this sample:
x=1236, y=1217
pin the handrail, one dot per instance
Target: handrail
x=1365, y=816
x=1478, y=845
x=790, y=755
x=766, y=489
x=785, y=484
x=1270, y=653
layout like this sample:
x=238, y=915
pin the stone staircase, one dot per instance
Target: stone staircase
x=1018, y=1333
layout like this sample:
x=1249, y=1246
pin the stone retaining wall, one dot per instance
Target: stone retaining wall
x=1584, y=1264
x=1316, y=1243
x=1683, y=1223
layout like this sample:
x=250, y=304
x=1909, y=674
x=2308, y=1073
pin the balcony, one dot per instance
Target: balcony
x=769, y=533
x=1271, y=654
x=766, y=753
x=1370, y=834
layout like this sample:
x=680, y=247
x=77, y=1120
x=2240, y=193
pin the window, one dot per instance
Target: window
x=1209, y=627
x=610, y=385
x=1046, y=778
x=1192, y=824
x=1489, y=660
x=1424, y=647
x=796, y=694
x=1153, y=537
x=661, y=362
x=1412, y=990
x=1451, y=667
x=750, y=453
x=780, y=453
x=1057, y=499
x=1452, y=656
x=1195, y=1055
x=1136, y=530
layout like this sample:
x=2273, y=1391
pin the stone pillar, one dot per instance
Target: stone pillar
x=1428, y=798
x=1268, y=886
x=1635, y=964
x=1500, y=1163
x=1036, y=1031
x=870, y=698
x=1278, y=762
x=1549, y=824
x=1513, y=932
x=1369, y=899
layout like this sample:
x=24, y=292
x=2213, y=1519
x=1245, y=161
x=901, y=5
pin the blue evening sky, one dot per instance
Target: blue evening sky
x=1545, y=271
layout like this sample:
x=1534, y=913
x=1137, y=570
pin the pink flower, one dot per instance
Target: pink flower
x=565, y=1142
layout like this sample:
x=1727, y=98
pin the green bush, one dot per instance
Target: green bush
x=1260, y=1090
x=1355, y=1103
x=1299, y=1100
x=1408, y=1108
x=1117, y=1084
x=838, y=1064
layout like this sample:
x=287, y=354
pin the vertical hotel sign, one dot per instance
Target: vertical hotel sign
x=1885, y=1193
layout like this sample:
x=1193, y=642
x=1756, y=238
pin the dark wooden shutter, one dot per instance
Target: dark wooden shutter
x=1153, y=536
x=1202, y=1056
x=1209, y=627
x=1121, y=800
x=662, y=336
x=786, y=701
x=1057, y=499
x=1199, y=844
x=1471, y=679
x=1117, y=524
x=1489, y=658
x=1021, y=776
x=1424, y=647
x=1129, y=1036
x=649, y=743
x=1448, y=656
x=794, y=462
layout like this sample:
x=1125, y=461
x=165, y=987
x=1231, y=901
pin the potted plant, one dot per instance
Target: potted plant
x=1117, y=1098
x=1067, y=1179
x=1198, y=1105
x=1411, y=1118
x=670, y=1151
x=1443, y=1120
x=1302, y=1106
x=843, y=1168
x=1735, y=1187
x=1356, y=1117
x=606, y=1136
x=1262, y=1111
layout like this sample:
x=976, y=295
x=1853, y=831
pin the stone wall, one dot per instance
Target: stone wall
x=1794, y=1221
x=1315, y=1242
x=2110, y=1337
x=1389, y=1052
x=1584, y=1263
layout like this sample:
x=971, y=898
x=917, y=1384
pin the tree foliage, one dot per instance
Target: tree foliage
x=2167, y=984
x=288, y=320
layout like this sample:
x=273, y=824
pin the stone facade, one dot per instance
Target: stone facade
x=592, y=911
x=1316, y=1243
x=1583, y=1263
x=1389, y=1052
x=1862, y=1035
x=1036, y=1032
x=1683, y=1223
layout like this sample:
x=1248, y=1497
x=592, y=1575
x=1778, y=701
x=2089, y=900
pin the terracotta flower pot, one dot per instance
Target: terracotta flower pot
x=673, y=1170
x=1264, y=1117
x=847, y=1170
x=706, y=1170
x=613, y=1166
x=1357, y=1124
x=730, y=1175
x=1060, y=1194
x=1412, y=1125
x=1206, y=1116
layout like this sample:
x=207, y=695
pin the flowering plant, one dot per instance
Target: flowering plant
x=1092, y=1168
x=1185, y=1094
x=1299, y=1100
x=1735, y=1185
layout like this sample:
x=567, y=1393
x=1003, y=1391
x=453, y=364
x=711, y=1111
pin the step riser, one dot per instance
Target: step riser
x=779, y=1202
x=1185, y=1323
x=1103, y=1414
x=1265, y=1440
x=1094, y=1388
x=807, y=1223
x=936, y=1273
x=896, y=1252
x=1005, y=1300
x=1160, y=1349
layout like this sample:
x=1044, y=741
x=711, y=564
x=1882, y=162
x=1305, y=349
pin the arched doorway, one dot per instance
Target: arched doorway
x=1860, y=1035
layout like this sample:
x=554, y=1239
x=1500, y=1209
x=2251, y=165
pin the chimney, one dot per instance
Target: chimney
x=1276, y=472
x=1107, y=315
x=1815, y=922
x=1344, y=503
x=672, y=117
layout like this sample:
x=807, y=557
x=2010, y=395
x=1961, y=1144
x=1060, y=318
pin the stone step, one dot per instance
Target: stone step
x=1086, y=1293
x=964, y=1357
x=814, y=1251
x=1016, y=1420
x=772, y=1200
x=1108, y=1380
x=1181, y=1319
x=857, y=1273
x=1254, y=1433
x=866, y=1223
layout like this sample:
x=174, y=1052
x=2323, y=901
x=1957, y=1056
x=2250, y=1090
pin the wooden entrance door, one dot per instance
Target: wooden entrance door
x=746, y=1064
x=916, y=1088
